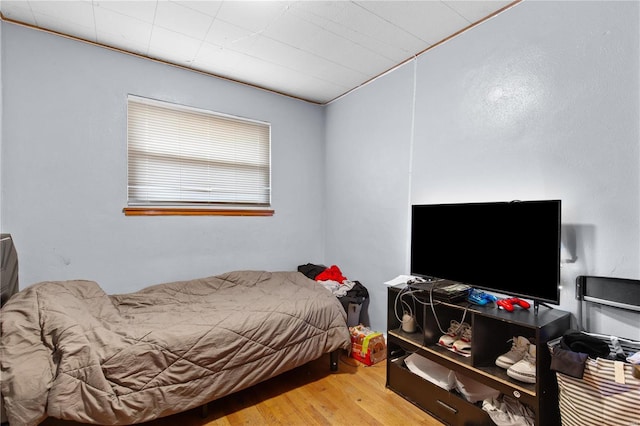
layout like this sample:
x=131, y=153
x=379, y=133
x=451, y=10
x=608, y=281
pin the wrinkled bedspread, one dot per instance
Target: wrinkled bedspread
x=71, y=351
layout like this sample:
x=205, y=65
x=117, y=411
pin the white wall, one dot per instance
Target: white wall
x=368, y=135
x=64, y=170
x=542, y=101
x=535, y=105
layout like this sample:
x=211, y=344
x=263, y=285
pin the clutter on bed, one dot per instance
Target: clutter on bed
x=352, y=294
x=71, y=351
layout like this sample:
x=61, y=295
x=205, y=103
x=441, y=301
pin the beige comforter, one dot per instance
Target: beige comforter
x=71, y=351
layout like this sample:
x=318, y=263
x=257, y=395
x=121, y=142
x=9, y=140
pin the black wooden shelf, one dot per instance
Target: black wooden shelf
x=492, y=328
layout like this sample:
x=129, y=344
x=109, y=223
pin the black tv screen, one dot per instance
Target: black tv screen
x=512, y=248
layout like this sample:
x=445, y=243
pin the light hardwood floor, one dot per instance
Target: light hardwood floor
x=308, y=395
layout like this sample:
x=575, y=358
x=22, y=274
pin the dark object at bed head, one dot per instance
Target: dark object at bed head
x=9, y=273
x=311, y=270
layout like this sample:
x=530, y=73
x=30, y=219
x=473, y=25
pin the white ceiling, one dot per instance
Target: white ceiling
x=313, y=50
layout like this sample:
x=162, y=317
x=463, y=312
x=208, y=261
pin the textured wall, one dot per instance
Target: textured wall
x=539, y=102
x=368, y=135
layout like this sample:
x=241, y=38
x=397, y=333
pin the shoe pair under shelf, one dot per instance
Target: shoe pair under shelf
x=457, y=337
x=520, y=361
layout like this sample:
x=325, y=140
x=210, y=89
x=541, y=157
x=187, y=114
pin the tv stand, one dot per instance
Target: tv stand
x=492, y=328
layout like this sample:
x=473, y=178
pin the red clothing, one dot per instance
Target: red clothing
x=332, y=273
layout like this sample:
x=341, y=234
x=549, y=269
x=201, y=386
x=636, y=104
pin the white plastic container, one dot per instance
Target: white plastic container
x=431, y=371
x=472, y=390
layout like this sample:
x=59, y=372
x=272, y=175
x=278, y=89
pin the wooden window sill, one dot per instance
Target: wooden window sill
x=182, y=211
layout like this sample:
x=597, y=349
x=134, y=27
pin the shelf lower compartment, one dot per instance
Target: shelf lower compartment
x=492, y=331
x=441, y=403
x=492, y=376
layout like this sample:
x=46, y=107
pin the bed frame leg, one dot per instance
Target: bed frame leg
x=204, y=411
x=333, y=360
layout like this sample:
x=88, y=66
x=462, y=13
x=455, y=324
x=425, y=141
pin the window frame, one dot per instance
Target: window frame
x=197, y=207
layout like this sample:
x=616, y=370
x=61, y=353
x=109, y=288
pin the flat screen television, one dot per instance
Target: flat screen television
x=511, y=248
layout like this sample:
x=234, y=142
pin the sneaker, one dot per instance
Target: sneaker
x=452, y=335
x=525, y=369
x=519, y=347
x=463, y=344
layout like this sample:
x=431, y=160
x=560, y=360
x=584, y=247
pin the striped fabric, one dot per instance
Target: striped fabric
x=597, y=399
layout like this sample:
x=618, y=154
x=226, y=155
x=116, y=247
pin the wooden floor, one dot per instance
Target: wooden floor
x=308, y=395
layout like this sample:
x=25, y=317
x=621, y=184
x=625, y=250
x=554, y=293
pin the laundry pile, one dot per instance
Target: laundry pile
x=330, y=278
x=352, y=294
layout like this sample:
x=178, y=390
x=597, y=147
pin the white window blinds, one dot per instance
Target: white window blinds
x=184, y=156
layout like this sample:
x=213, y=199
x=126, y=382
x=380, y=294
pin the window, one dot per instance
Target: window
x=185, y=157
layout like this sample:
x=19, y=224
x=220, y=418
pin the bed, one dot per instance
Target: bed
x=70, y=351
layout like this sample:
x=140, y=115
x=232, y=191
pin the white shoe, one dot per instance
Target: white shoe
x=519, y=347
x=525, y=369
x=463, y=344
x=453, y=334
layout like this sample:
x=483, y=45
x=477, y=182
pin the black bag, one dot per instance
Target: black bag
x=353, y=302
